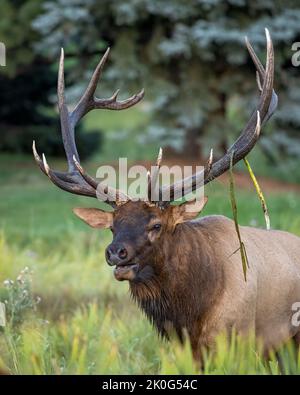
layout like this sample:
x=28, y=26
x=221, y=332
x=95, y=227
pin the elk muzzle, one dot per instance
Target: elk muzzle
x=118, y=254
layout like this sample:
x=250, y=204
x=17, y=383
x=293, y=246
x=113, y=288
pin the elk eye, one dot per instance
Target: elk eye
x=156, y=227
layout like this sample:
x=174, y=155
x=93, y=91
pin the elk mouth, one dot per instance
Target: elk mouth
x=126, y=271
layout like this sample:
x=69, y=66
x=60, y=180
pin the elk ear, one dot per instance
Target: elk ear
x=95, y=217
x=188, y=210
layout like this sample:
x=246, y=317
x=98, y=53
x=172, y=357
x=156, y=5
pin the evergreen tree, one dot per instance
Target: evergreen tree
x=28, y=83
x=191, y=58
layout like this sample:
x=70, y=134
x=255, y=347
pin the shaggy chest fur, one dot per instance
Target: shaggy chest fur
x=182, y=293
x=159, y=309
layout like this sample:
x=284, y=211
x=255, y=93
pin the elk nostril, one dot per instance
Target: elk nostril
x=122, y=253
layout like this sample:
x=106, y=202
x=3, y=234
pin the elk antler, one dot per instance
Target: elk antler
x=247, y=139
x=153, y=178
x=75, y=180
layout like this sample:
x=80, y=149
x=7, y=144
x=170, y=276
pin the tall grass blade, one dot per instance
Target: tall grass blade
x=259, y=193
x=242, y=248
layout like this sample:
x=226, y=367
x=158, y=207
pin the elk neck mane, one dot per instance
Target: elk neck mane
x=182, y=291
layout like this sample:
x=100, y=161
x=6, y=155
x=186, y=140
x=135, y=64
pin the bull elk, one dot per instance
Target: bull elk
x=183, y=272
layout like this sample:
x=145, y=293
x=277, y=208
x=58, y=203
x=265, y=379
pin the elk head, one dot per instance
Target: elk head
x=139, y=232
x=140, y=227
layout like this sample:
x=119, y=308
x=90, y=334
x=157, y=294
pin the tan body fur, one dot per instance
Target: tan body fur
x=264, y=302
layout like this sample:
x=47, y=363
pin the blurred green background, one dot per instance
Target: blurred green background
x=200, y=89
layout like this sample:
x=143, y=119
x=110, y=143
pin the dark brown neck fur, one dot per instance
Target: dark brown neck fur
x=183, y=291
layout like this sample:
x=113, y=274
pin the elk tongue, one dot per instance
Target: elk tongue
x=126, y=272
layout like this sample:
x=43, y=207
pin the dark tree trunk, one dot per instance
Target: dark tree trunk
x=221, y=114
x=192, y=146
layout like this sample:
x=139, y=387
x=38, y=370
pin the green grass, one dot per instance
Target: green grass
x=86, y=322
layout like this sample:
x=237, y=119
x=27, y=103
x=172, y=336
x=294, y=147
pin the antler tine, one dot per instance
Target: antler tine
x=250, y=134
x=85, y=104
x=89, y=102
x=208, y=166
x=152, y=180
x=38, y=158
x=258, y=82
x=256, y=61
x=258, y=125
x=67, y=128
x=260, y=75
x=61, y=80
x=113, y=104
